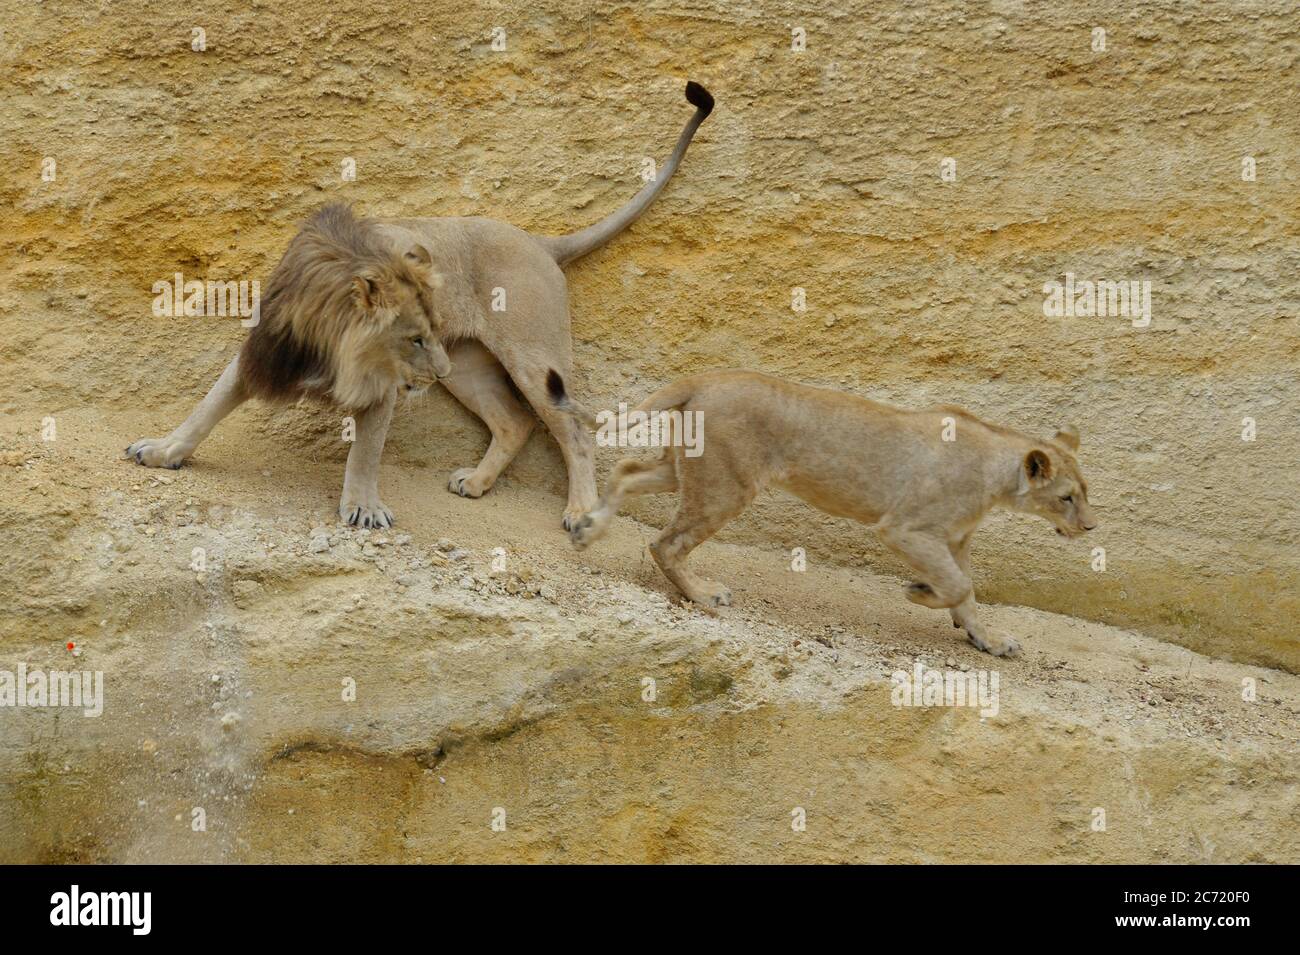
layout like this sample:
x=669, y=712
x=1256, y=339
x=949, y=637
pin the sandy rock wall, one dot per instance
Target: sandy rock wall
x=819, y=169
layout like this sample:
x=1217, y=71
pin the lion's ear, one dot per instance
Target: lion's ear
x=1038, y=466
x=418, y=255
x=1068, y=436
x=418, y=258
x=366, y=291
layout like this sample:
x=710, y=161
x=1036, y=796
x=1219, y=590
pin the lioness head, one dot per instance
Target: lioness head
x=1052, y=486
x=346, y=317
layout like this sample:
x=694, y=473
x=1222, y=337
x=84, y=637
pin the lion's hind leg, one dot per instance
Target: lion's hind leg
x=630, y=477
x=480, y=383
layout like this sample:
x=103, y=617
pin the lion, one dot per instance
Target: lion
x=360, y=310
x=922, y=480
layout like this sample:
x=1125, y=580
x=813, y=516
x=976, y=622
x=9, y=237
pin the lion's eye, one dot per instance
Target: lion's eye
x=417, y=342
x=1068, y=499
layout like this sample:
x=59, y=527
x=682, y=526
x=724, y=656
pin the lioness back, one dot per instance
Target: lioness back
x=844, y=454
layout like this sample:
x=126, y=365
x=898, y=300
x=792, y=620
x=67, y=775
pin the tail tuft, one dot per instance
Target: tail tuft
x=555, y=388
x=559, y=396
x=699, y=97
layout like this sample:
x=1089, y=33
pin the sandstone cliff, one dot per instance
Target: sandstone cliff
x=130, y=156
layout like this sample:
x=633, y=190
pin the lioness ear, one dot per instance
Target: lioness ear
x=1038, y=466
x=1068, y=436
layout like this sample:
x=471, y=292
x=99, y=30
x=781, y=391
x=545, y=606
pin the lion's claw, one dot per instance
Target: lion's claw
x=375, y=516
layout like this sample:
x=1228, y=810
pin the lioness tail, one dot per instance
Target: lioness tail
x=665, y=399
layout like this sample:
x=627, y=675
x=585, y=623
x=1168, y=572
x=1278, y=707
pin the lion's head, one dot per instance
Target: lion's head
x=1052, y=486
x=345, y=317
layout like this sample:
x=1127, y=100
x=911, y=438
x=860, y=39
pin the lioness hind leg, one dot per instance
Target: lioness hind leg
x=224, y=397
x=629, y=478
x=712, y=494
x=480, y=383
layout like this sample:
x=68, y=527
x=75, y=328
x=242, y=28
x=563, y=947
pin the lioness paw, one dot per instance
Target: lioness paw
x=924, y=595
x=158, y=453
x=572, y=518
x=588, y=527
x=710, y=594
x=369, y=514
x=582, y=532
x=999, y=646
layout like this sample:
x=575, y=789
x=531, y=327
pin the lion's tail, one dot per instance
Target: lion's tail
x=566, y=248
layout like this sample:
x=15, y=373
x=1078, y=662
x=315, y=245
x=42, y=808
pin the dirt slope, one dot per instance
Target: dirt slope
x=522, y=691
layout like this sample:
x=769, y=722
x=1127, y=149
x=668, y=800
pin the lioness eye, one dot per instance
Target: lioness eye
x=1068, y=498
x=417, y=342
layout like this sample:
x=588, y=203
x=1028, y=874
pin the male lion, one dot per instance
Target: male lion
x=886, y=467
x=359, y=310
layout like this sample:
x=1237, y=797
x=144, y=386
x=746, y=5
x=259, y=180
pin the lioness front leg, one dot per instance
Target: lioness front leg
x=224, y=397
x=360, y=504
x=966, y=617
x=944, y=585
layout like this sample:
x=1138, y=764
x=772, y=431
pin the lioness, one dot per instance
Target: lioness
x=888, y=468
x=359, y=310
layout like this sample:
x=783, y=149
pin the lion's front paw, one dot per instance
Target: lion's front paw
x=588, y=528
x=365, y=512
x=158, y=452
x=999, y=646
x=464, y=483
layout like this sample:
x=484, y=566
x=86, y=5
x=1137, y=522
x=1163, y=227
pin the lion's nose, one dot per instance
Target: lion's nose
x=1088, y=527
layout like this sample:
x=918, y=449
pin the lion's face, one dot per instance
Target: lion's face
x=395, y=340
x=349, y=316
x=411, y=344
x=1053, y=487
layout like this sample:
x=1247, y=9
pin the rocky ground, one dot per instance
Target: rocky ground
x=501, y=675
